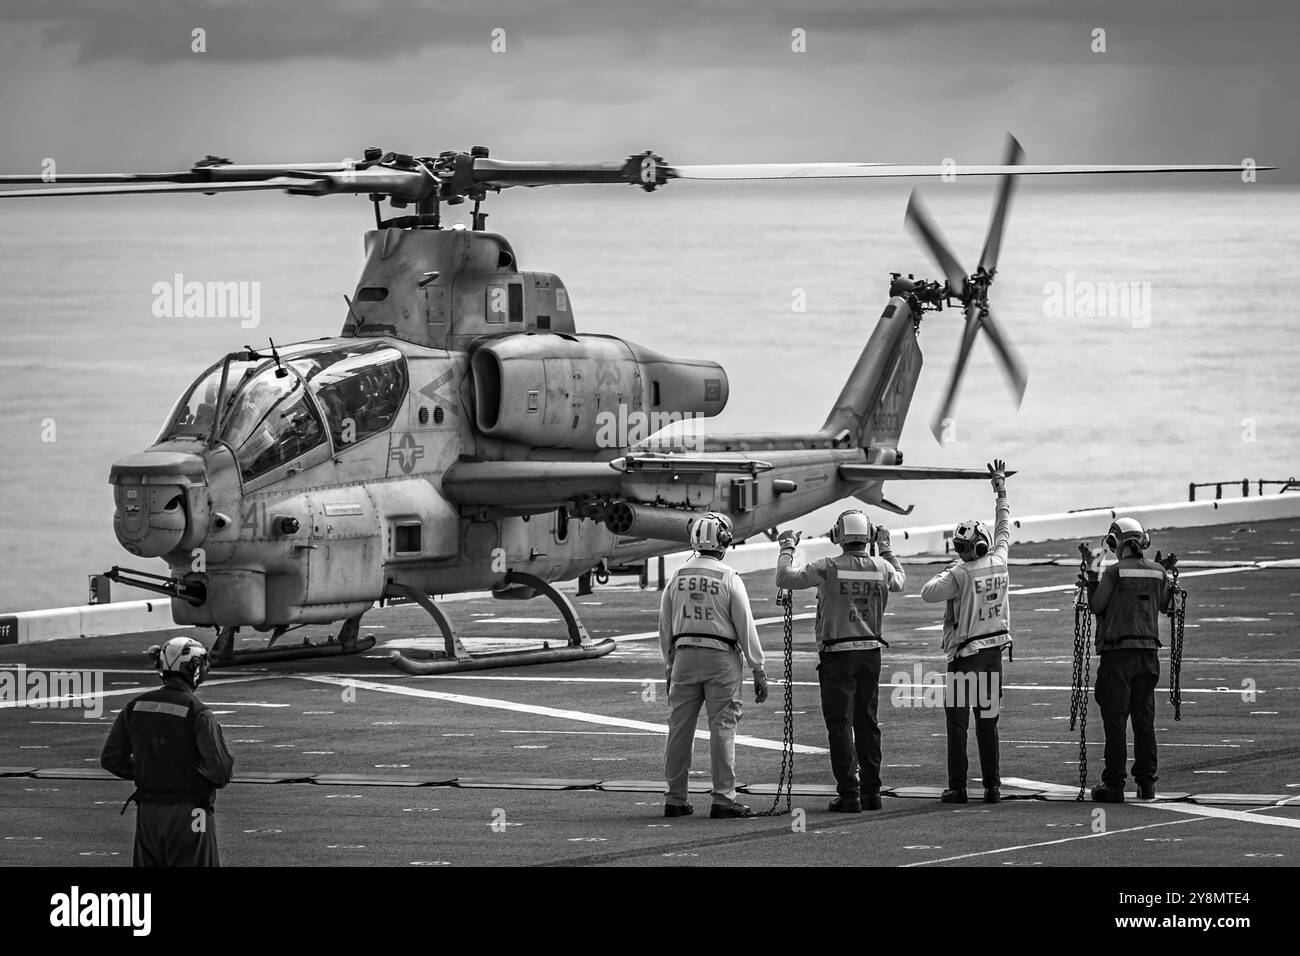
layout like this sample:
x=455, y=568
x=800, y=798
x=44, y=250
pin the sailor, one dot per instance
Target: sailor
x=976, y=627
x=705, y=629
x=169, y=743
x=852, y=592
x=1128, y=599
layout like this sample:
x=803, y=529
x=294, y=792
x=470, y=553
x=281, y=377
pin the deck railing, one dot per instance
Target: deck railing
x=1286, y=484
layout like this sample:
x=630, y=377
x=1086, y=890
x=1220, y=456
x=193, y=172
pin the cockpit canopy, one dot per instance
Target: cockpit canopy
x=273, y=412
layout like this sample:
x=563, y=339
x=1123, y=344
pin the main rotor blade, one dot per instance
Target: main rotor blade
x=891, y=171
x=232, y=172
x=1011, y=156
x=129, y=188
x=96, y=178
x=253, y=170
x=411, y=185
x=495, y=172
x=955, y=376
x=1012, y=365
x=923, y=225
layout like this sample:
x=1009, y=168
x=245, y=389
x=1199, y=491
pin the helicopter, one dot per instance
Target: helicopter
x=459, y=433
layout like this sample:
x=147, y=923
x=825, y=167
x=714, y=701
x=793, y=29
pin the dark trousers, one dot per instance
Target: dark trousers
x=174, y=834
x=1126, y=691
x=850, y=686
x=963, y=693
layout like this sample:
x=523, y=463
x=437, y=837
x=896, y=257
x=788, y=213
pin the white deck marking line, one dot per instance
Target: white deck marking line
x=73, y=698
x=759, y=621
x=1252, y=661
x=1026, y=784
x=1182, y=574
x=642, y=681
x=1191, y=809
x=1102, y=743
x=1230, y=691
x=588, y=733
x=553, y=679
x=1219, y=813
x=1031, y=846
x=511, y=705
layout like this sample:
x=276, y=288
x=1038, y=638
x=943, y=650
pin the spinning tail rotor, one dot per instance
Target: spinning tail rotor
x=971, y=290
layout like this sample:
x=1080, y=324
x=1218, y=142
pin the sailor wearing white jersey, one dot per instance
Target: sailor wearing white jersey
x=705, y=628
x=976, y=626
x=852, y=592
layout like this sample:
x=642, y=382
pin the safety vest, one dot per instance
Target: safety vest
x=701, y=604
x=980, y=616
x=851, y=603
x=1131, y=620
x=164, y=748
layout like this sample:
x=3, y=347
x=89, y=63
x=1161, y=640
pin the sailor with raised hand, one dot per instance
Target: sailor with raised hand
x=705, y=629
x=1128, y=599
x=852, y=592
x=976, y=627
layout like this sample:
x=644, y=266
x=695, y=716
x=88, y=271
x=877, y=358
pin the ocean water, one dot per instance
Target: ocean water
x=1121, y=409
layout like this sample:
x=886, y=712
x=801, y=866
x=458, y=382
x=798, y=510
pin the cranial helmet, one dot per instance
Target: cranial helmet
x=851, y=526
x=973, y=536
x=1126, y=529
x=711, y=532
x=182, y=656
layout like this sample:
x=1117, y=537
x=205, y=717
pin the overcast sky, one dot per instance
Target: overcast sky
x=105, y=85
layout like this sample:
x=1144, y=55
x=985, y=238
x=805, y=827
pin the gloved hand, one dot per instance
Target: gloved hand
x=1168, y=561
x=998, y=475
x=760, y=687
x=668, y=679
x=789, y=539
x=883, y=544
x=1093, y=558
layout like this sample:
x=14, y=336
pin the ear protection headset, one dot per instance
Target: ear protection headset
x=973, y=535
x=851, y=526
x=711, y=532
x=1126, y=529
x=182, y=656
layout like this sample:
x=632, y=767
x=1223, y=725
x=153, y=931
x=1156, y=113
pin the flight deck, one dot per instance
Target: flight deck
x=345, y=760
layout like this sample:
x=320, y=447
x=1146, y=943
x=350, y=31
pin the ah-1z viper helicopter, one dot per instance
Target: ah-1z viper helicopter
x=453, y=438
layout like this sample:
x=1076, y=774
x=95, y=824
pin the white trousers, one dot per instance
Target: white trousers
x=711, y=678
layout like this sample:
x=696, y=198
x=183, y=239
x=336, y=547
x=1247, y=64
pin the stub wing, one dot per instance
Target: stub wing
x=541, y=485
x=647, y=463
x=865, y=473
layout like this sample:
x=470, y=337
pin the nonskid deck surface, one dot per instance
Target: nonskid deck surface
x=464, y=769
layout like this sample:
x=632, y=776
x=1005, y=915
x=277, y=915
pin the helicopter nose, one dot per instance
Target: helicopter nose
x=162, y=502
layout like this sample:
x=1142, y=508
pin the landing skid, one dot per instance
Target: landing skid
x=348, y=641
x=455, y=658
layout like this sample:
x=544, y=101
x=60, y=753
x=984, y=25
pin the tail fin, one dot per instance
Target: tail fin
x=873, y=404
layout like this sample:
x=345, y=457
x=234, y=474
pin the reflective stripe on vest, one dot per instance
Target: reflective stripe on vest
x=1141, y=573
x=159, y=707
x=701, y=608
x=1133, y=612
x=851, y=605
